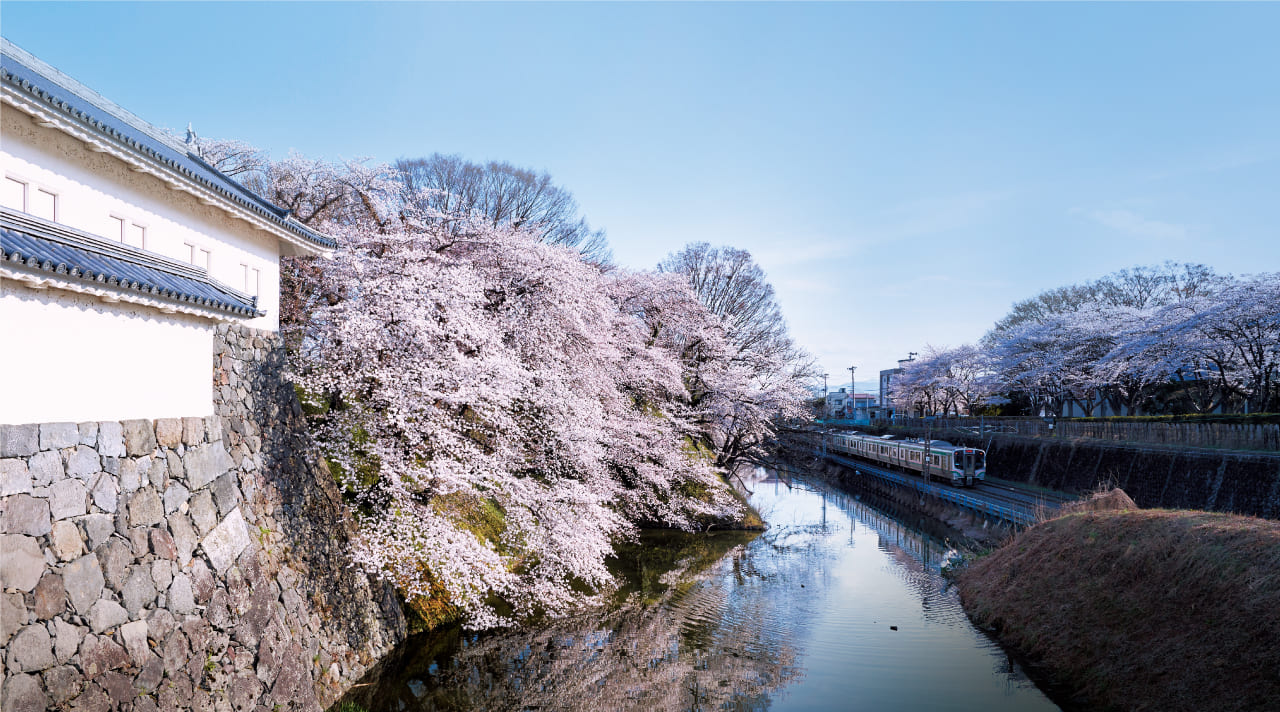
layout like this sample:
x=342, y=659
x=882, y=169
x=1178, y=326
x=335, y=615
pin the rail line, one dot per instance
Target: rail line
x=1012, y=504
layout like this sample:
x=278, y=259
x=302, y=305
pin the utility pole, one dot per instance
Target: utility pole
x=824, y=414
x=853, y=389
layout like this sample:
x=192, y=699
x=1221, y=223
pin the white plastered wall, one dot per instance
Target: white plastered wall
x=70, y=357
x=93, y=187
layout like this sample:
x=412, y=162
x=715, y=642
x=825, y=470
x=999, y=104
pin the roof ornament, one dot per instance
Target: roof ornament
x=192, y=140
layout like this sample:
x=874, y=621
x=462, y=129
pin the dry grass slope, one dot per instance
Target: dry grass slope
x=1141, y=609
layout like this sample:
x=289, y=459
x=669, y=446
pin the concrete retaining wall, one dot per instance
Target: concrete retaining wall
x=194, y=563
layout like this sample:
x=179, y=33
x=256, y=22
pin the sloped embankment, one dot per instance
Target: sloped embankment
x=1141, y=610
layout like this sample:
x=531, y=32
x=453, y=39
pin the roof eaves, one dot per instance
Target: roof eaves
x=131, y=274
x=215, y=181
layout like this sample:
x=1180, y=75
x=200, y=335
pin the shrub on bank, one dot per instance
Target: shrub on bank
x=1141, y=610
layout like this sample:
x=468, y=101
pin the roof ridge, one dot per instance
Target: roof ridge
x=215, y=180
x=77, y=87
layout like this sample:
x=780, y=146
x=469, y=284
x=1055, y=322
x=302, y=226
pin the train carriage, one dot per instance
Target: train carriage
x=962, y=466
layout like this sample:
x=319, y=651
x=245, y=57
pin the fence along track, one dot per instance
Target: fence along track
x=1219, y=436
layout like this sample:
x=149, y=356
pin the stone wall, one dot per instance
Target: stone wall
x=194, y=563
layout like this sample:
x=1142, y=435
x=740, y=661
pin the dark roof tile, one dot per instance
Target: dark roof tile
x=33, y=245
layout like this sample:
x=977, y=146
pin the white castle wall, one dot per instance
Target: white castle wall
x=91, y=187
x=71, y=357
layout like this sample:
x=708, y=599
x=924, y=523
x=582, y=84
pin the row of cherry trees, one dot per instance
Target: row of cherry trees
x=1171, y=338
x=501, y=405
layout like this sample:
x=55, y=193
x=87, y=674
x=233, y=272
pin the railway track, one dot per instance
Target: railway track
x=1005, y=500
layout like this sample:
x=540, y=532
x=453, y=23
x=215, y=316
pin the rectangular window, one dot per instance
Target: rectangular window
x=135, y=235
x=197, y=256
x=15, y=194
x=44, y=204
x=251, y=280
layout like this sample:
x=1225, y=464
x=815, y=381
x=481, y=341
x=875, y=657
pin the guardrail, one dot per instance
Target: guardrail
x=1019, y=515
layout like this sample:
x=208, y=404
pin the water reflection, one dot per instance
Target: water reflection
x=798, y=617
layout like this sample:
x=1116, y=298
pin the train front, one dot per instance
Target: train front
x=970, y=466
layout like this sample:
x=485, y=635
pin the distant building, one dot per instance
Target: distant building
x=849, y=406
x=122, y=250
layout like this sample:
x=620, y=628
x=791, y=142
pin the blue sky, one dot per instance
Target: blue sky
x=904, y=172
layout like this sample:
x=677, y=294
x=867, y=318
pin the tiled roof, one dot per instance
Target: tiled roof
x=40, y=249
x=55, y=91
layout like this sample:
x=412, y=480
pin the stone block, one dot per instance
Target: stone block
x=174, y=497
x=50, y=597
x=147, y=681
x=93, y=699
x=24, y=514
x=68, y=498
x=161, y=574
x=138, y=591
x=174, y=461
x=169, y=432
x=115, y=557
x=111, y=439
x=226, y=541
x=226, y=493
x=99, y=654
x=88, y=433
x=162, y=545
x=203, y=513
x=118, y=689
x=145, y=508
x=21, y=562
x=132, y=473
x=65, y=541
x=63, y=683
x=159, y=473
x=55, y=436
x=185, y=538
x=181, y=599
x=192, y=431
x=66, y=639
x=19, y=440
x=84, y=581
x=22, y=693
x=15, y=478
x=97, y=527
x=160, y=623
x=105, y=615
x=139, y=437
x=46, y=468
x=82, y=462
x=105, y=493
x=31, y=650
x=135, y=641
x=212, y=428
x=140, y=541
x=202, y=581
x=205, y=463
x=175, y=652
x=13, y=615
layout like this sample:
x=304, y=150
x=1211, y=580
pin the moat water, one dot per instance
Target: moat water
x=838, y=606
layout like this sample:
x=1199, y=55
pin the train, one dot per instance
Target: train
x=961, y=466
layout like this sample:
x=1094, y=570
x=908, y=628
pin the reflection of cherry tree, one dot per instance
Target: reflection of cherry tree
x=690, y=643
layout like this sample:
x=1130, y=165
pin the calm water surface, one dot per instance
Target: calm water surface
x=800, y=617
